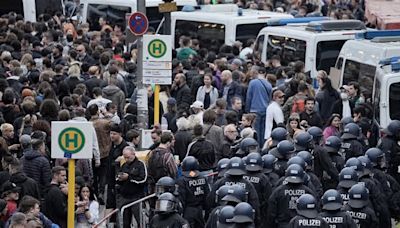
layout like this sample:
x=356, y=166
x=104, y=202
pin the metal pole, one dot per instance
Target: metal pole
x=121, y=219
x=71, y=193
x=167, y=23
x=157, y=104
x=141, y=98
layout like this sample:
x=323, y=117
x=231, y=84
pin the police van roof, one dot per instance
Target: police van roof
x=301, y=20
x=149, y=3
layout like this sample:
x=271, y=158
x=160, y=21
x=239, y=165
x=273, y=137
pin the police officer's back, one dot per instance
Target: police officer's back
x=347, y=178
x=357, y=206
x=277, y=135
x=390, y=147
x=307, y=213
x=166, y=213
x=351, y=146
x=309, y=160
x=283, y=152
x=331, y=162
x=193, y=191
x=282, y=203
x=268, y=169
x=331, y=211
x=244, y=216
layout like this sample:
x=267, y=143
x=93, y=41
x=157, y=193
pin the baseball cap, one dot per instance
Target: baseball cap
x=197, y=104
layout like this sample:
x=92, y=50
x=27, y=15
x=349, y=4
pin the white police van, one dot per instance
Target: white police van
x=386, y=91
x=31, y=9
x=220, y=24
x=316, y=43
x=358, y=59
x=116, y=11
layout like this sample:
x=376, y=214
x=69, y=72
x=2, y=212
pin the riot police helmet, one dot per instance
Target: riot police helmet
x=298, y=161
x=347, y=177
x=243, y=213
x=236, y=194
x=358, y=195
x=254, y=162
x=236, y=167
x=277, y=135
x=366, y=163
x=295, y=174
x=166, y=184
x=221, y=193
x=166, y=203
x=285, y=150
x=225, y=216
x=307, y=206
x=393, y=129
x=222, y=166
x=190, y=166
x=307, y=157
x=346, y=120
x=331, y=200
x=303, y=141
x=351, y=131
x=333, y=144
x=356, y=164
x=376, y=156
x=269, y=161
x=316, y=133
x=247, y=145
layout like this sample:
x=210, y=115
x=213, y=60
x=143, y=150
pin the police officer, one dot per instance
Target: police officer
x=277, y=135
x=283, y=152
x=347, y=178
x=331, y=162
x=331, y=211
x=351, y=146
x=193, y=191
x=307, y=213
x=244, y=216
x=234, y=175
x=303, y=141
x=247, y=146
x=225, y=217
x=254, y=167
x=282, y=203
x=309, y=159
x=167, y=184
x=317, y=141
x=167, y=213
x=357, y=206
x=268, y=165
x=390, y=147
x=226, y=195
x=376, y=196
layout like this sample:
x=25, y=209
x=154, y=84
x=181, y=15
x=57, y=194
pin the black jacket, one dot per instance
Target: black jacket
x=182, y=140
x=204, y=151
x=94, y=82
x=55, y=206
x=37, y=167
x=134, y=186
x=364, y=217
x=313, y=119
x=338, y=219
x=183, y=98
x=302, y=222
x=172, y=220
x=28, y=185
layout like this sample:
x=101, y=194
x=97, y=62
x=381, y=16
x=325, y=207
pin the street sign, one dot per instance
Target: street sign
x=138, y=23
x=167, y=7
x=71, y=140
x=157, y=48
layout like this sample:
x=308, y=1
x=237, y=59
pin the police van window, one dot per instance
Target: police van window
x=376, y=100
x=339, y=63
x=112, y=13
x=245, y=32
x=394, y=101
x=289, y=49
x=359, y=72
x=154, y=16
x=210, y=35
x=327, y=53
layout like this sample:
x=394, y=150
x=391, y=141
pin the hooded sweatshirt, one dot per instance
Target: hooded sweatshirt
x=28, y=185
x=116, y=95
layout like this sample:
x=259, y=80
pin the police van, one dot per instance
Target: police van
x=316, y=43
x=358, y=59
x=116, y=11
x=31, y=9
x=371, y=60
x=215, y=25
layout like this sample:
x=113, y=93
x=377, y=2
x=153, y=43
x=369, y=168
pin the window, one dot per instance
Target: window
x=394, y=101
x=154, y=16
x=289, y=49
x=210, y=35
x=111, y=13
x=359, y=72
x=248, y=31
x=376, y=100
x=327, y=53
x=339, y=63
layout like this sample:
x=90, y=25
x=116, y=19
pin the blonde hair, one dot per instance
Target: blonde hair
x=74, y=70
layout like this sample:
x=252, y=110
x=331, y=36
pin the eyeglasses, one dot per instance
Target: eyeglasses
x=280, y=97
x=80, y=50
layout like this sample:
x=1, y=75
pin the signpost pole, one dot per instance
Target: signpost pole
x=157, y=104
x=71, y=193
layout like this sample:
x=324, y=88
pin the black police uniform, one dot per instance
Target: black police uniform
x=302, y=222
x=168, y=220
x=338, y=219
x=232, y=180
x=282, y=203
x=364, y=217
x=193, y=192
x=316, y=183
x=331, y=164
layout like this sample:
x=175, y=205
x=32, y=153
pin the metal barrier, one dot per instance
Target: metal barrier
x=105, y=218
x=140, y=201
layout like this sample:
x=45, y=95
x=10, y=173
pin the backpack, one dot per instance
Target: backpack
x=156, y=165
x=298, y=105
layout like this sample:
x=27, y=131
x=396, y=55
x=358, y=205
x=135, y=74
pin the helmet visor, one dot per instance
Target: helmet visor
x=164, y=206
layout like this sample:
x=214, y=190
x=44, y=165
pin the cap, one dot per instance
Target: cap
x=171, y=101
x=115, y=128
x=197, y=104
x=237, y=62
x=10, y=187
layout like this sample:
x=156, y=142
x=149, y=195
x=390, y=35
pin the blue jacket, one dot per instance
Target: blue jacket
x=235, y=90
x=258, y=95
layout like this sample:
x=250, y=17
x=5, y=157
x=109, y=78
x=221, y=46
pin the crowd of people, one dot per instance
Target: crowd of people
x=239, y=143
